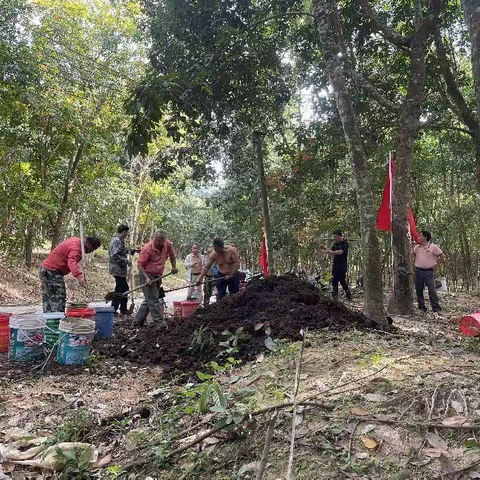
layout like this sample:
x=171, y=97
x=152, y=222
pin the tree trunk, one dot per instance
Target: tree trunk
x=471, y=10
x=460, y=106
x=257, y=141
x=325, y=13
x=408, y=130
x=59, y=227
x=29, y=244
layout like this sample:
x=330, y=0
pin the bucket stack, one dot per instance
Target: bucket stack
x=4, y=331
x=29, y=336
x=52, y=320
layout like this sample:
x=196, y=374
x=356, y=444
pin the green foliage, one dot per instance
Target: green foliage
x=75, y=428
x=76, y=464
x=200, y=341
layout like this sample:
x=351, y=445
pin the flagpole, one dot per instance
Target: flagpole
x=390, y=176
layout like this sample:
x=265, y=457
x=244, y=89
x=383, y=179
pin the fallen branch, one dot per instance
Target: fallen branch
x=387, y=421
x=266, y=448
x=456, y=472
x=355, y=380
x=196, y=440
x=434, y=397
x=305, y=402
x=349, y=455
x=295, y=404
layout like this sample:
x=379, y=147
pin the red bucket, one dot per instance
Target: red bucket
x=177, y=309
x=88, y=313
x=4, y=332
x=189, y=307
x=470, y=325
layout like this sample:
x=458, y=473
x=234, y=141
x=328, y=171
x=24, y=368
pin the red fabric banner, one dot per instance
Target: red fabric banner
x=263, y=255
x=384, y=219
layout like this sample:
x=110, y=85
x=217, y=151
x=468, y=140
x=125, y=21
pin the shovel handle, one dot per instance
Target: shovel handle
x=141, y=286
x=186, y=286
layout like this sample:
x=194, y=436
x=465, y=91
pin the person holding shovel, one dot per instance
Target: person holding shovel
x=63, y=259
x=118, y=266
x=151, y=264
x=228, y=264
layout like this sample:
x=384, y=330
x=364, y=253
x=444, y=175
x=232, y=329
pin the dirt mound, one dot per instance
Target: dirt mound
x=238, y=326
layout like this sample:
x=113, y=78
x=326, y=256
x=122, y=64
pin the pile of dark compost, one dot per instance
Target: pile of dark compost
x=284, y=305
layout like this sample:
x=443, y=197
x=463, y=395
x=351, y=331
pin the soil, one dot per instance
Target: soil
x=279, y=307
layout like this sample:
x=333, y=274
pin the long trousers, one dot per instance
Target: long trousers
x=339, y=276
x=151, y=304
x=422, y=278
x=121, y=286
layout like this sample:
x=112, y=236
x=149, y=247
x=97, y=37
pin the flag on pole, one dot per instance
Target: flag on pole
x=384, y=217
x=263, y=254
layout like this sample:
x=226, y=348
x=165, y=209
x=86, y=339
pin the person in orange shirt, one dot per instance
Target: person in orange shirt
x=151, y=264
x=62, y=260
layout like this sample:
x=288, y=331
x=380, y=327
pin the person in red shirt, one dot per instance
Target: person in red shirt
x=62, y=260
x=151, y=264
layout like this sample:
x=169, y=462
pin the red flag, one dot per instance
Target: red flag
x=384, y=218
x=263, y=255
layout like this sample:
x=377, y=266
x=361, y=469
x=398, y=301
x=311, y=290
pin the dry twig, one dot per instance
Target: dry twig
x=414, y=401
x=266, y=448
x=294, y=416
x=434, y=397
x=456, y=472
x=351, y=440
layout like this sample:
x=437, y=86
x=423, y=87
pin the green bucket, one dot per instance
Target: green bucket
x=27, y=332
x=75, y=338
x=52, y=321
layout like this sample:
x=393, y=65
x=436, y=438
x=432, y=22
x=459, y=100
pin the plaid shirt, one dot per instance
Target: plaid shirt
x=117, y=264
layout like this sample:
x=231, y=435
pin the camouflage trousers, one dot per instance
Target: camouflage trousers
x=53, y=289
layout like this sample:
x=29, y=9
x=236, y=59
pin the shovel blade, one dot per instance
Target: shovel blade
x=110, y=296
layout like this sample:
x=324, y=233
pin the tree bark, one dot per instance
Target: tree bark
x=257, y=141
x=409, y=126
x=330, y=40
x=471, y=10
x=59, y=227
x=458, y=103
x=29, y=243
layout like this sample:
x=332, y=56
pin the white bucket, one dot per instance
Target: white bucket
x=443, y=286
x=76, y=335
x=27, y=334
x=77, y=326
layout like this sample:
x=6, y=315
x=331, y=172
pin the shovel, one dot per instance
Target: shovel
x=118, y=295
x=131, y=308
x=163, y=292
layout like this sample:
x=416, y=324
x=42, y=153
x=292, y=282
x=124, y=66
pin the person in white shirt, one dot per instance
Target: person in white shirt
x=194, y=264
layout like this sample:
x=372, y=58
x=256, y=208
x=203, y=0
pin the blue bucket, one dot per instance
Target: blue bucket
x=75, y=339
x=104, y=321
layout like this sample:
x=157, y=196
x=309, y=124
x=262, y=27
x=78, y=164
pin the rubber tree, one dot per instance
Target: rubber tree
x=471, y=9
x=257, y=141
x=330, y=35
x=409, y=112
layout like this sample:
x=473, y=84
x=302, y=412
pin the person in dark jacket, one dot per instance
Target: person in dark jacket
x=339, y=251
x=118, y=266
